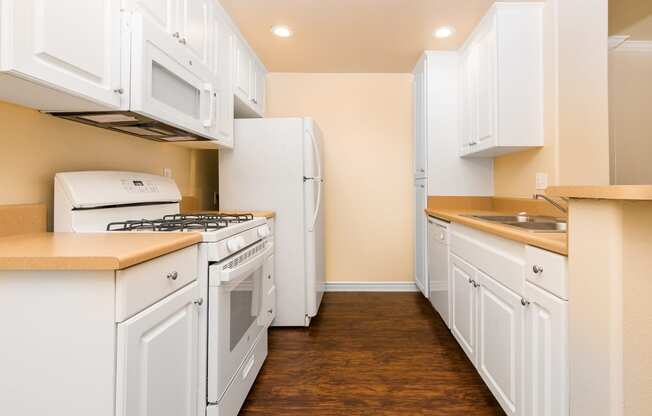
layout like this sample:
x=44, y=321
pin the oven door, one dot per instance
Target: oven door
x=235, y=299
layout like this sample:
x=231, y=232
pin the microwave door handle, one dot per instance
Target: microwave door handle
x=211, y=105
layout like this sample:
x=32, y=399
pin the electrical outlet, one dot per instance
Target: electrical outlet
x=541, y=181
x=167, y=172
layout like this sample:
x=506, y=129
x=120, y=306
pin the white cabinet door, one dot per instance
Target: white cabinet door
x=421, y=232
x=463, y=308
x=157, y=358
x=258, y=96
x=545, y=359
x=70, y=45
x=162, y=13
x=242, y=70
x=221, y=64
x=195, y=27
x=500, y=342
x=486, y=87
x=420, y=118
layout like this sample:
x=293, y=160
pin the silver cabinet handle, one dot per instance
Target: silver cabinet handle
x=182, y=41
x=199, y=302
x=253, y=100
x=536, y=269
x=173, y=275
x=175, y=35
x=525, y=302
x=476, y=284
x=271, y=311
x=422, y=170
x=119, y=91
x=473, y=143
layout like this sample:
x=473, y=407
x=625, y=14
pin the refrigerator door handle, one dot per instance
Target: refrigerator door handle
x=316, y=152
x=319, y=181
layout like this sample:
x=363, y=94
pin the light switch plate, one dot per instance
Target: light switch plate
x=167, y=172
x=541, y=181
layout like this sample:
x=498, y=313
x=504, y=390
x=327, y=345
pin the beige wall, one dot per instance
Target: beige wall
x=35, y=146
x=632, y=18
x=631, y=115
x=366, y=120
x=576, y=150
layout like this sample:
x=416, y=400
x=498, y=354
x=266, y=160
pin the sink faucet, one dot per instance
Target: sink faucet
x=552, y=202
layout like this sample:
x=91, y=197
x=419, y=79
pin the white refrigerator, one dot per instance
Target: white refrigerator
x=277, y=165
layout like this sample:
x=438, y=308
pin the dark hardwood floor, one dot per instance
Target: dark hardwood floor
x=369, y=354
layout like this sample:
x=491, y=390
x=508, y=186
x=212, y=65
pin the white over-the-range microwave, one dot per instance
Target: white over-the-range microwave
x=172, y=96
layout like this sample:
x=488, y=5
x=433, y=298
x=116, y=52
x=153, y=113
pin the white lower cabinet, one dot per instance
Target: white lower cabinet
x=515, y=333
x=102, y=343
x=463, y=318
x=545, y=381
x=500, y=336
x=157, y=358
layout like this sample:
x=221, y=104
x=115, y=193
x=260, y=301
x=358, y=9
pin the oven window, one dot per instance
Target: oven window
x=245, y=306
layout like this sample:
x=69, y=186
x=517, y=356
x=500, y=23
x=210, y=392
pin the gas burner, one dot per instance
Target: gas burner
x=169, y=224
x=226, y=217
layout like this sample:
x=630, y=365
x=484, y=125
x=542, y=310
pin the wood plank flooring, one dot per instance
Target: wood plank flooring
x=369, y=354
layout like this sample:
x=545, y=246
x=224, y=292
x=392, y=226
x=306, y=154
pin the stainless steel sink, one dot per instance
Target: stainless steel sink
x=534, y=223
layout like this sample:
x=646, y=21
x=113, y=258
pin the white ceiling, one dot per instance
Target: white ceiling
x=352, y=35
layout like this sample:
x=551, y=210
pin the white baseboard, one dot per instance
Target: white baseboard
x=370, y=287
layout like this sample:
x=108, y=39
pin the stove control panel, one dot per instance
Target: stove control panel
x=137, y=186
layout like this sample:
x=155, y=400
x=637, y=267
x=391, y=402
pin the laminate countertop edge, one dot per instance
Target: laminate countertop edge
x=555, y=242
x=610, y=192
x=88, y=252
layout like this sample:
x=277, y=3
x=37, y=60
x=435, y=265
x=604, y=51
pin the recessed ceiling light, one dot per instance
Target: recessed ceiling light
x=282, y=31
x=444, y=32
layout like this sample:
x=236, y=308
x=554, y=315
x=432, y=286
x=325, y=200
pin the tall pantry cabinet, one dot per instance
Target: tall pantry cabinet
x=438, y=169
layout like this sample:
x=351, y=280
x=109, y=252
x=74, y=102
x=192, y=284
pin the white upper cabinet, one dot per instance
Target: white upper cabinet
x=243, y=70
x=162, y=12
x=249, y=75
x=222, y=57
x=68, y=49
x=195, y=29
x=502, y=82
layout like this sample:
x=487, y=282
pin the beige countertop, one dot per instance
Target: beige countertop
x=88, y=251
x=260, y=214
x=556, y=242
x=613, y=192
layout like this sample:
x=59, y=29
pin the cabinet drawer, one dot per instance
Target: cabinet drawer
x=144, y=284
x=547, y=270
x=501, y=259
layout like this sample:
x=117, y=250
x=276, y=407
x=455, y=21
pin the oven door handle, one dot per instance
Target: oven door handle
x=245, y=269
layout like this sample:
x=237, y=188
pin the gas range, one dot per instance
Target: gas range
x=229, y=233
